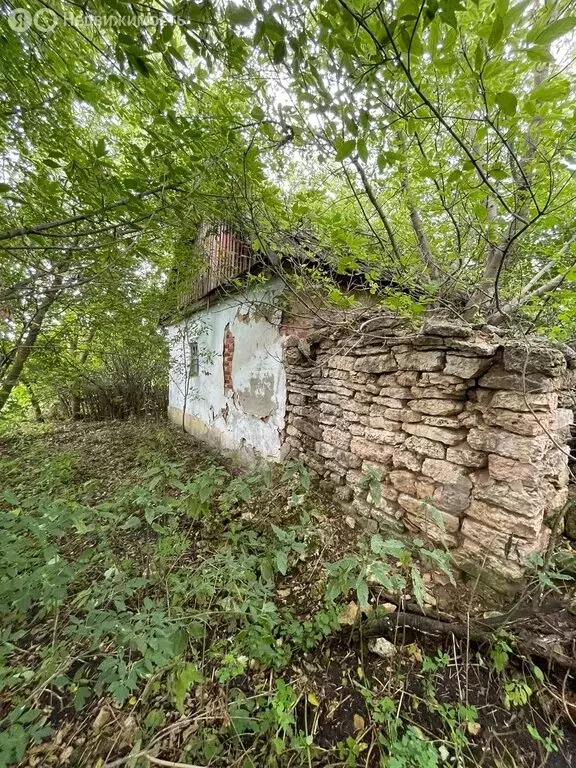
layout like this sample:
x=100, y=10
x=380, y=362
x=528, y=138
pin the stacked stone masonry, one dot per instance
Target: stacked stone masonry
x=462, y=428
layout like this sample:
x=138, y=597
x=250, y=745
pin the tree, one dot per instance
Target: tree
x=453, y=124
x=106, y=148
x=427, y=143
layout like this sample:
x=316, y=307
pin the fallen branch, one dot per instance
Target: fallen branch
x=169, y=764
x=395, y=621
x=516, y=614
x=151, y=759
x=476, y=632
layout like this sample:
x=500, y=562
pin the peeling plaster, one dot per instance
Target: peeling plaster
x=249, y=417
x=258, y=398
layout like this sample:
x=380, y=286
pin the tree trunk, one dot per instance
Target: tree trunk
x=75, y=399
x=482, y=299
x=379, y=210
x=415, y=218
x=27, y=343
x=34, y=402
x=423, y=243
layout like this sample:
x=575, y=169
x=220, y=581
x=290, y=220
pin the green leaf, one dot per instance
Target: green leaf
x=81, y=696
x=362, y=591
x=478, y=58
x=553, y=89
x=388, y=158
x=408, y=9
x=132, y=522
x=497, y=172
x=280, y=534
x=181, y=682
x=553, y=30
x=442, y=559
x=281, y=561
x=539, y=53
x=496, y=32
x=167, y=32
x=448, y=15
x=345, y=149
x=266, y=130
x=239, y=14
x=176, y=53
x=375, y=491
x=266, y=571
x=507, y=102
x=119, y=691
x=279, y=53
x=516, y=13
x=418, y=586
x=140, y=64
x=392, y=547
x=381, y=572
x=244, y=492
x=154, y=719
x=5, y=188
x=257, y=112
x=351, y=126
x=100, y=148
x=273, y=30
x=8, y=495
x=364, y=119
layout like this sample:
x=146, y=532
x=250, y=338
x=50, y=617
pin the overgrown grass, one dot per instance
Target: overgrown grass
x=159, y=606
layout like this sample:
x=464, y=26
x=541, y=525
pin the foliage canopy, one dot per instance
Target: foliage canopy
x=428, y=144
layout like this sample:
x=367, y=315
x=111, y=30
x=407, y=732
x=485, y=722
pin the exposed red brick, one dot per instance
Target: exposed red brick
x=227, y=357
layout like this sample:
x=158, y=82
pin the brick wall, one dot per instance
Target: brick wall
x=462, y=428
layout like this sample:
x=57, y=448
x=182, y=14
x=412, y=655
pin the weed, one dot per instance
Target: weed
x=197, y=604
x=391, y=563
x=516, y=693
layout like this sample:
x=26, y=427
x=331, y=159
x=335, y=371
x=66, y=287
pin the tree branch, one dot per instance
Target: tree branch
x=425, y=100
x=423, y=244
x=37, y=229
x=378, y=208
x=527, y=293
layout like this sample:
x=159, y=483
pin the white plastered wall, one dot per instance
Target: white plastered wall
x=250, y=415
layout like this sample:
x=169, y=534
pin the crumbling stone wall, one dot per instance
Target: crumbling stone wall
x=463, y=428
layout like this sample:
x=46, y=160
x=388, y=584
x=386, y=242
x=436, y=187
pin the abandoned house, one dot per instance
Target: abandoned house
x=464, y=430
x=227, y=378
